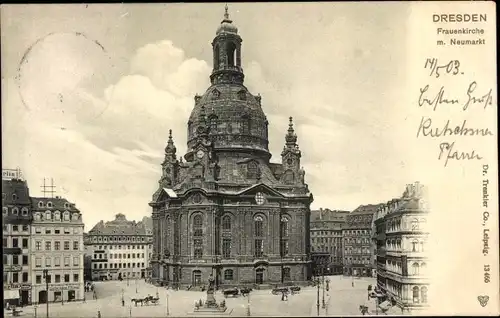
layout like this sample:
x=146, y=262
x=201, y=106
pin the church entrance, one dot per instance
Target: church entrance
x=259, y=276
x=196, y=278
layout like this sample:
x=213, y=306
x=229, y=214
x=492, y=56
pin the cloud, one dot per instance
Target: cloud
x=104, y=153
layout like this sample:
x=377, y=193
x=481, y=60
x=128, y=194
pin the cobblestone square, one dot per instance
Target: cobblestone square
x=342, y=299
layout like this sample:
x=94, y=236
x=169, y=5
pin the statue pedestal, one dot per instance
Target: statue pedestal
x=211, y=306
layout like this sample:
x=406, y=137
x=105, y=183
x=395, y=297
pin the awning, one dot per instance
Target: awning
x=11, y=294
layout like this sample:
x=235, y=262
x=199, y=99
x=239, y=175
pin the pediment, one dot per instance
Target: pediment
x=163, y=194
x=262, y=188
x=196, y=197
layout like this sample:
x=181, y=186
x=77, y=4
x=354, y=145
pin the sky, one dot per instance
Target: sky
x=100, y=86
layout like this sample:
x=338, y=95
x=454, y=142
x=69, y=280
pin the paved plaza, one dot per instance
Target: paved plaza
x=342, y=299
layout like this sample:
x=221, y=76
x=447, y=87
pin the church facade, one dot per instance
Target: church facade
x=224, y=209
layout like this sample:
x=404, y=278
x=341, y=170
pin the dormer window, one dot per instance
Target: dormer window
x=242, y=95
x=75, y=216
x=66, y=216
x=215, y=94
x=66, y=205
x=213, y=124
x=14, y=197
x=5, y=210
x=38, y=216
x=48, y=215
x=49, y=204
x=24, y=211
x=40, y=204
x=252, y=170
x=57, y=216
x=245, y=124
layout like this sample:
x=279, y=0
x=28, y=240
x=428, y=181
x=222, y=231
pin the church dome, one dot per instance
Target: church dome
x=234, y=118
x=227, y=26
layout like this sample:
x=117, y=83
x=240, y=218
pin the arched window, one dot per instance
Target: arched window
x=40, y=204
x=48, y=215
x=423, y=268
x=15, y=211
x=245, y=123
x=216, y=56
x=284, y=226
x=416, y=269
x=5, y=210
x=226, y=223
x=198, y=171
x=414, y=246
x=228, y=274
x=416, y=295
x=252, y=170
x=258, y=226
x=49, y=204
x=414, y=225
x=231, y=53
x=24, y=211
x=57, y=216
x=14, y=197
x=66, y=216
x=75, y=217
x=258, y=233
x=198, y=236
x=286, y=274
x=289, y=177
x=423, y=294
x=213, y=124
x=422, y=244
x=284, y=232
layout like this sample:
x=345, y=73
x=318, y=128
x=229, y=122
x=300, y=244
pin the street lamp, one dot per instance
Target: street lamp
x=317, y=298
x=323, y=284
x=168, y=309
x=46, y=277
x=35, y=307
x=248, y=305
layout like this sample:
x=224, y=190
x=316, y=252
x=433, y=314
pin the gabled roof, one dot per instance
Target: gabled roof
x=58, y=203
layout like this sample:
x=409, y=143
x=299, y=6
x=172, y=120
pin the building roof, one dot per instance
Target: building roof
x=120, y=226
x=367, y=209
x=15, y=188
x=328, y=215
x=58, y=203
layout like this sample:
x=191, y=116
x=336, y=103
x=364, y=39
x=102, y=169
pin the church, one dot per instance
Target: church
x=224, y=209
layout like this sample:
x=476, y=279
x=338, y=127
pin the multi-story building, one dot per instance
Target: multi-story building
x=326, y=240
x=57, y=241
x=119, y=249
x=401, y=238
x=226, y=210
x=16, y=216
x=357, y=237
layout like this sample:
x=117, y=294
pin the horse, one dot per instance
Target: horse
x=245, y=291
x=138, y=300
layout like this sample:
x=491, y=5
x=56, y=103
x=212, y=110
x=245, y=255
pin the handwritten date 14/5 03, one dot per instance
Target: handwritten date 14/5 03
x=486, y=273
x=452, y=67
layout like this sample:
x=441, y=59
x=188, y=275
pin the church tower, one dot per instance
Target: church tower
x=227, y=210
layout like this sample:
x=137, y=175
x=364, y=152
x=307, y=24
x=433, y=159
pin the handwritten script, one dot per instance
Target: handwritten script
x=472, y=97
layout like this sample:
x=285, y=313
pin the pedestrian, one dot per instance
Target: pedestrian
x=84, y=299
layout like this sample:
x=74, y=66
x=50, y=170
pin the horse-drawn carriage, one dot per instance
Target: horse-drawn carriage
x=146, y=300
x=286, y=290
x=234, y=292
